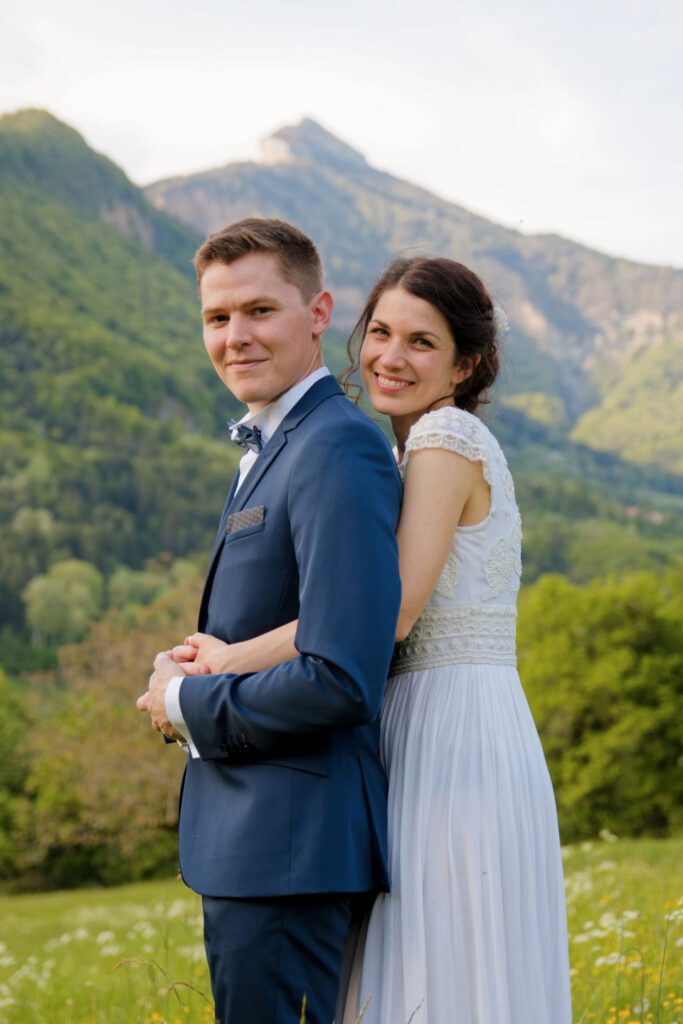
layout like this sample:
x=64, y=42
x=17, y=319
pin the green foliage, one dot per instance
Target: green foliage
x=49, y=157
x=603, y=669
x=641, y=413
x=14, y=765
x=537, y=405
x=107, y=390
x=61, y=604
x=98, y=787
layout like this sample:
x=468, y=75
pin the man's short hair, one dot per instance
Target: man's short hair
x=297, y=255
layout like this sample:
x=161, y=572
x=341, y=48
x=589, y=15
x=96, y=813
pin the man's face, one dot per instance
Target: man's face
x=261, y=335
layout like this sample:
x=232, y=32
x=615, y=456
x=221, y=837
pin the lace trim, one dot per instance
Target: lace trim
x=466, y=634
x=454, y=430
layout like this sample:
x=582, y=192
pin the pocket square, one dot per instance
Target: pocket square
x=247, y=517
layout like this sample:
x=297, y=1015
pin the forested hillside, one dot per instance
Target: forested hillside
x=109, y=403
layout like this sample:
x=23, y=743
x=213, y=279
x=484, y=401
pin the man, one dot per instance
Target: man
x=283, y=807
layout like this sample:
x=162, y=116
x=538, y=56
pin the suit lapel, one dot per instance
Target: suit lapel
x=221, y=525
x=322, y=389
x=263, y=462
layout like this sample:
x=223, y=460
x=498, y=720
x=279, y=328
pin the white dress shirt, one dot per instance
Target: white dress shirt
x=267, y=420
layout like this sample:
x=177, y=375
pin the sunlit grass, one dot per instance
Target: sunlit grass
x=135, y=955
x=625, y=912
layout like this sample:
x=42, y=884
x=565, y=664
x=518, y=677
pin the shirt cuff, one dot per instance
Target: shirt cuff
x=175, y=714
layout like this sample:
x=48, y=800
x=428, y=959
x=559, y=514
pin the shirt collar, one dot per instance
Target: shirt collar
x=271, y=416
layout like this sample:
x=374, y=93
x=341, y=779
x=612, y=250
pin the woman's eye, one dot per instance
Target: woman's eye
x=379, y=331
x=423, y=342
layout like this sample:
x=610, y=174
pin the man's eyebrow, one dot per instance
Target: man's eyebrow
x=260, y=300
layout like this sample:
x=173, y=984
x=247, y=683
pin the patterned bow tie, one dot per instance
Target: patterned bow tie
x=247, y=437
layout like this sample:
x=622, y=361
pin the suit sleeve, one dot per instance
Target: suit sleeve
x=344, y=502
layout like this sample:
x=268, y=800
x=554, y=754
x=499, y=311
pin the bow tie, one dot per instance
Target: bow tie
x=247, y=437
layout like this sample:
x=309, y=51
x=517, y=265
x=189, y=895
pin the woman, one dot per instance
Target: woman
x=474, y=929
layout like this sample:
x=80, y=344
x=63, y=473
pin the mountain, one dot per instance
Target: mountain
x=109, y=402
x=579, y=318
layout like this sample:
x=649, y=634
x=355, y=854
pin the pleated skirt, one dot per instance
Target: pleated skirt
x=474, y=930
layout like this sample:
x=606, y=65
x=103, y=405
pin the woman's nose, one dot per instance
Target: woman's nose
x=393, y=354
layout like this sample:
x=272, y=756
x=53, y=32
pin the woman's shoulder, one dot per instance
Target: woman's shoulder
x=451, y=428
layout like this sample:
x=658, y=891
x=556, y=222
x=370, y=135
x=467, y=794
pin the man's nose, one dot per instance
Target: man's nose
x=238, y=333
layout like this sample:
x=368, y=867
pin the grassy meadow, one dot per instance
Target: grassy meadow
x=134, y=954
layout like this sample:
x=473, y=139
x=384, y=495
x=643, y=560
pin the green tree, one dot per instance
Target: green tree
x=61, y=604
x=603, y=669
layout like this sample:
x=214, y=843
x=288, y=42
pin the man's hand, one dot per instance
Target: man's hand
x=154, y=701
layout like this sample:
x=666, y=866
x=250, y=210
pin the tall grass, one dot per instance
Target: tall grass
x=135, y=955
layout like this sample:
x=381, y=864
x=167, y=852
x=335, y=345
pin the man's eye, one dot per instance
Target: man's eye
x=218, y=318
x=260, y=310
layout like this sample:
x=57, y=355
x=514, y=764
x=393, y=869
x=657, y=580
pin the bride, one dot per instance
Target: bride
x=474, y=929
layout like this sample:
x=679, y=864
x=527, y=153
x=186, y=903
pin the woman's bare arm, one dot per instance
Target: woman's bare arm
x=442, y=489
x=253, y=655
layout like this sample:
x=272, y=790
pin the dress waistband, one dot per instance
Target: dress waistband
x=469, y=634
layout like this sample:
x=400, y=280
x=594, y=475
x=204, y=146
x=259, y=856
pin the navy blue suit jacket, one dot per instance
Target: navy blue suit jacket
x=288, y=795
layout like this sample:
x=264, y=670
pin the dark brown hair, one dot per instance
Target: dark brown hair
x=463, y=301
x=297, y=255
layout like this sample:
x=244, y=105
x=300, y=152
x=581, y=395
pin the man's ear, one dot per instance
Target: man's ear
x=322, y=305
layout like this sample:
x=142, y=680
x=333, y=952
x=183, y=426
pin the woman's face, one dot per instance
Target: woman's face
x=407, y=356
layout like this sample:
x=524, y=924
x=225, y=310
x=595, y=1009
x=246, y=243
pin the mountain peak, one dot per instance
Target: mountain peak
x=309, y=141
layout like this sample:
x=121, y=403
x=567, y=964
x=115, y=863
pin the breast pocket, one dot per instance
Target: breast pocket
x=245, y=522
x=246, y=531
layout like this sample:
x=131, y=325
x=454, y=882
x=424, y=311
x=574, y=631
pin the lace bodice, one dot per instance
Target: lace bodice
x=471, y=615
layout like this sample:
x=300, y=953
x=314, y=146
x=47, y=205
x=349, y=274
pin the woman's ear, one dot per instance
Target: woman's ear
x=464, y=369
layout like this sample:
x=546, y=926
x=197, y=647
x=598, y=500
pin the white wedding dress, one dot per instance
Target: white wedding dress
x=474, y=929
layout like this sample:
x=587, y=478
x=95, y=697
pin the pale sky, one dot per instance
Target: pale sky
x=542, y=115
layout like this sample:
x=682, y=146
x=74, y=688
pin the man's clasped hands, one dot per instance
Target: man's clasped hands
x=198, y=655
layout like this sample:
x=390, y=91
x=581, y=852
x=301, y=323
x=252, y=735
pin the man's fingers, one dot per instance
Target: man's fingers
x=143, y=702
x=195, y=668
x=195, y=639
x=161, y=658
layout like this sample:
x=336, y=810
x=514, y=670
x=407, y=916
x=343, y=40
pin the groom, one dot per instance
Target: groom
x=283, y=807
